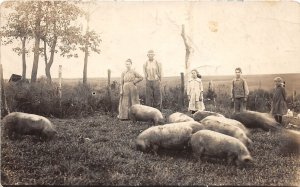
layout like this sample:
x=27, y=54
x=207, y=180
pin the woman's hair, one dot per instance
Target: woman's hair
x=129, y=60
x=198, y=74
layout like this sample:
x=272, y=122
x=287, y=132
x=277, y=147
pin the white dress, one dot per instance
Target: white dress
x=195, y=91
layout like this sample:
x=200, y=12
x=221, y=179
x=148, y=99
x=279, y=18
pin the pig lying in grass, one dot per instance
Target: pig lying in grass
x=144, y=113
x=289, y=142
x=169, y=136
x=228, y=121
x=18, y=123
x=224, y=128
x=179, y=117
x=210, y=143
x=199, y=115
x=252, y=119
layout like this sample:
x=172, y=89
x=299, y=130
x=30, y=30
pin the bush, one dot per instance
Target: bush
x=81, y=100
x=260, y=100
x=38, y=98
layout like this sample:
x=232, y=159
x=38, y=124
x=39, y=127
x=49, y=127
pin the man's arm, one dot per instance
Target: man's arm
x=232, y=92
x=145, y=71
x=159, y=71
x=246, y=89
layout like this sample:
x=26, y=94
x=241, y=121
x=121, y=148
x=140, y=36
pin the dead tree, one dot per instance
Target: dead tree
x=188, y=50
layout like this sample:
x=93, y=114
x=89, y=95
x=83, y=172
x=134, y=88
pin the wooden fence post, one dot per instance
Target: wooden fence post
x=109, y=91
x=182, y=89
x=59, y=88
x=3, y=96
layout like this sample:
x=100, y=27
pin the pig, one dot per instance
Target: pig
x=140, y=112
x=199, y=115
x=196, y=126
x=19, y=123
x=229, y=122
x=227, y=129
x=210, y=143
x=289, y=142
x=179, y=117
x=252, y=119
x=169, y=136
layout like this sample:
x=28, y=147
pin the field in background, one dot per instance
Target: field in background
x=254, y=81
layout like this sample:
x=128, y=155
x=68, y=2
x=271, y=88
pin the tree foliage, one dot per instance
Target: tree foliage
x=54, y=24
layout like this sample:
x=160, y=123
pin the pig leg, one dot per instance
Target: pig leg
x=132, y=117
x=155, y=149
x=230, y=158
x=10, y=134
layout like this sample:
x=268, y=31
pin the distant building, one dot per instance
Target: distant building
x=15, y=78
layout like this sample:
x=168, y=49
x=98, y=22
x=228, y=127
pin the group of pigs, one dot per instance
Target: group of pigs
x=206, y=133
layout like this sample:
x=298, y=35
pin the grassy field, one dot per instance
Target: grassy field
x=108, y=157
x=254, y=81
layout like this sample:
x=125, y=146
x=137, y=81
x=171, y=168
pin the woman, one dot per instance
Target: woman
x=128, y=94
x=195, y=92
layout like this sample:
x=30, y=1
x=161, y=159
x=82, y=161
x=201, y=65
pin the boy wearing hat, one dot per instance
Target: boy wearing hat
x=239, y=91
x=153, y=75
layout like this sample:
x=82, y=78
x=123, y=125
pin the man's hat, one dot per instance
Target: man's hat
x=151, y=52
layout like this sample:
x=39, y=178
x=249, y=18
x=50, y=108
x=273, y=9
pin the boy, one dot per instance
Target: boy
x=239, y=91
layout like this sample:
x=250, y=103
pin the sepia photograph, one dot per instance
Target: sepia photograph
x=135, y=93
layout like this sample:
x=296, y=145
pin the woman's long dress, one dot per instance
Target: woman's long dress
x=130, y=92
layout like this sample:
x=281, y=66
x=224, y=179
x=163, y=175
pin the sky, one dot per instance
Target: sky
x=259, y=37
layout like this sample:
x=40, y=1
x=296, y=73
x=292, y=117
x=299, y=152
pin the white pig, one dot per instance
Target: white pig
x=169, y=136
x=19, y=123
x=179, y=117
x=229, y=122
x=139, y=112
x=230, y=130
x=210, y=143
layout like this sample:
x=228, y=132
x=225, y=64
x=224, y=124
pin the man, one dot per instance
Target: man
x=239, y=91
x=153, y=75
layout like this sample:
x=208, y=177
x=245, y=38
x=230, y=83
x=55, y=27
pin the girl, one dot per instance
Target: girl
x=195, y=92
x=279, y=106
x=128, y=94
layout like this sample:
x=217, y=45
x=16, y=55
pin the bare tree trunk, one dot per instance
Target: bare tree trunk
x=51, y=60
x=37, y=36
x=85, y=65
x=187, y=56
x=24, y=59
x=86, y=50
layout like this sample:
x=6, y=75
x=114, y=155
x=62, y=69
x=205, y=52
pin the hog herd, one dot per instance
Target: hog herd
x=205, y=133
x=209, y=133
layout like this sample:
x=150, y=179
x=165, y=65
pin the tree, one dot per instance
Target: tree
x=36, y=7
x=57, y=30
x=187, y=54
x=91, y=41
x=17, y=27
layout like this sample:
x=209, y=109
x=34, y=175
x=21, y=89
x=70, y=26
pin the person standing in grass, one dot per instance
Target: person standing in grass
x=153, y=75
x=239, y=91
x=128, y=92
x=279, y=106
x=195, y=92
